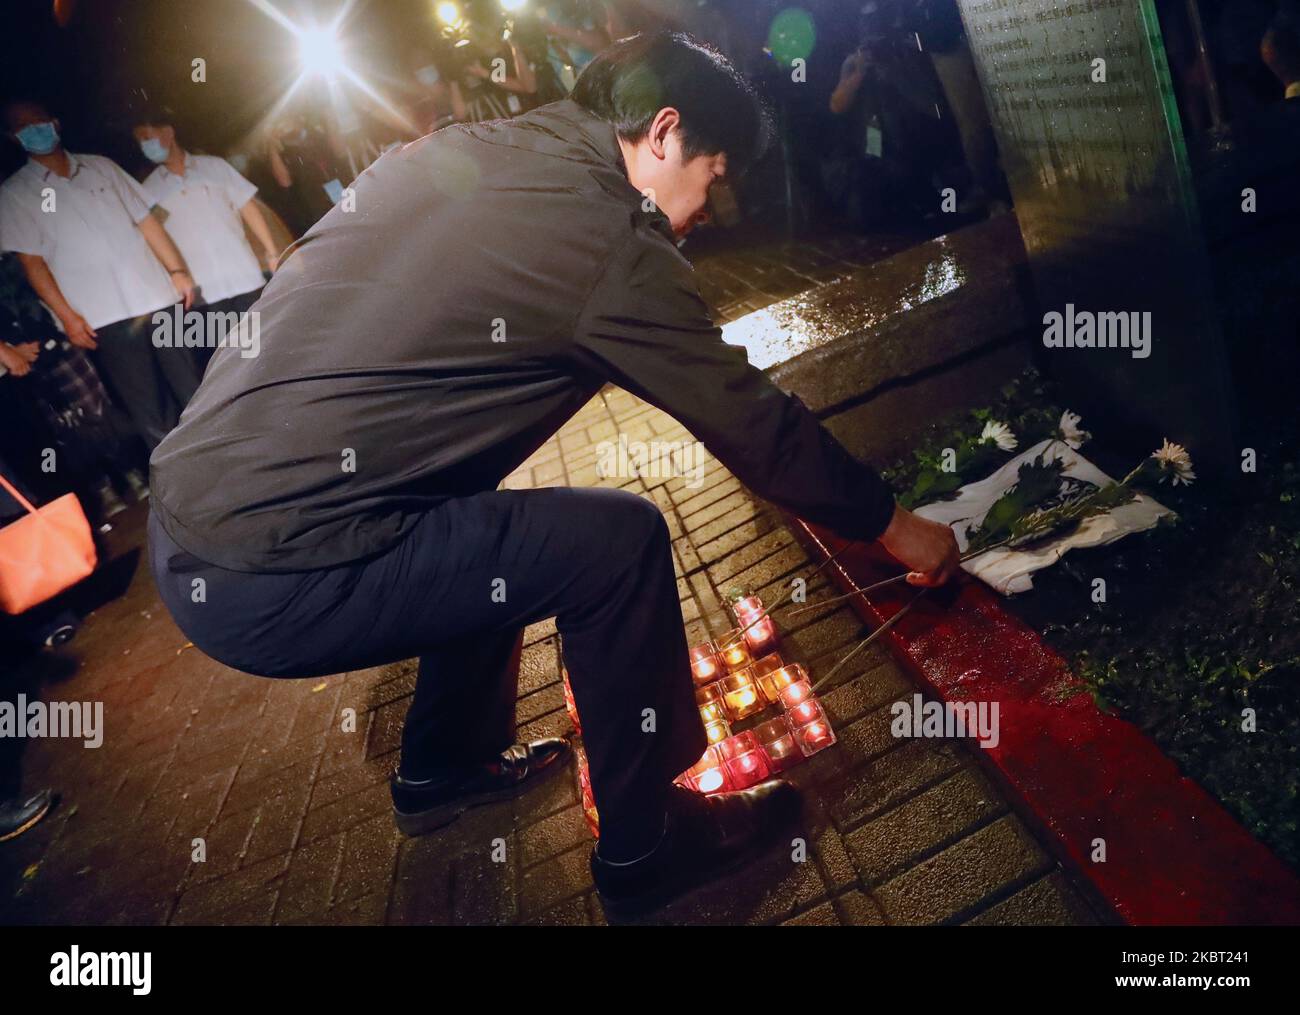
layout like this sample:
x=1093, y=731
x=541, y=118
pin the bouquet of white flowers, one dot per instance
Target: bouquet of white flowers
x=1043, y=503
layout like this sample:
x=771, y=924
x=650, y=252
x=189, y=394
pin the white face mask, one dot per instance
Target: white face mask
x=38, y=138
x=154, y=150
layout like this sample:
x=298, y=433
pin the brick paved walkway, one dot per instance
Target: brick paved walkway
x=295, y=812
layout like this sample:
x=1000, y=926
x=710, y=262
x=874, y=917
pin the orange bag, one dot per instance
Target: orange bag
x=42, y=554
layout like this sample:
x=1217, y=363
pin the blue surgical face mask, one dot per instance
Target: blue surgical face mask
x=154, y=150
x=38, y=138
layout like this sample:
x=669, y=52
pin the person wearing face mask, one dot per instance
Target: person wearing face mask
x=101, y=263
x=207, y=204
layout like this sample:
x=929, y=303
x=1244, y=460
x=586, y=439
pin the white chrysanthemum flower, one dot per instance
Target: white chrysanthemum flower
x=1175, y=464
x=1070, y=431
x=1000, y=434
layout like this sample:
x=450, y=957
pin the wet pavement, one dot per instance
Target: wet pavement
x=287, y=804
x=974, y=259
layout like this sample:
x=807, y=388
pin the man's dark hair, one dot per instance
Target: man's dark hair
x=628, y=83
x=153, y=115
x=10, y=105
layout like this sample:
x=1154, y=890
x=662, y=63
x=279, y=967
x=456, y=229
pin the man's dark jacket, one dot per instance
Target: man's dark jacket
x=488, y=280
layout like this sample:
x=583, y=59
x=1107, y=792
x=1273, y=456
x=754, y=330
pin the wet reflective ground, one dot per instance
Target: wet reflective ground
x=877, y=293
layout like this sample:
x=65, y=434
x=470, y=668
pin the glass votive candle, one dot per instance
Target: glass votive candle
x=760, y=635
x=762, y=669
x=741, y=695
x=778, y=744
x=744, y=760
x=712, y=711
x=734, y=650
x=717, y=731
x=806, y=711
x=816, y=735
x=707, y=775
x=794, y=694
x=759, y=629
x=706, y=667
x=708, y=693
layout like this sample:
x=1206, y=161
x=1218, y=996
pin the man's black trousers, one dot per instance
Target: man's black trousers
x=457, y=592
x=152, y=384
x=240, y=304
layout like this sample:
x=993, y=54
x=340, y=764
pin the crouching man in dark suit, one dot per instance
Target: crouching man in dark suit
x=337, y=493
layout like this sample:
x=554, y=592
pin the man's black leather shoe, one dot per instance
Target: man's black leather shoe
x=426, y=806
x=705, y=837
x=21, y=813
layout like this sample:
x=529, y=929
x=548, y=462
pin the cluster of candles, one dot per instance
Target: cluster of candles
x=734, y=680
x=744, y=691
x=736, y=677
x=740, y=760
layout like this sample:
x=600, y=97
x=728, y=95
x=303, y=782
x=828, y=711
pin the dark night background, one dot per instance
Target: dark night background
x=113, y=56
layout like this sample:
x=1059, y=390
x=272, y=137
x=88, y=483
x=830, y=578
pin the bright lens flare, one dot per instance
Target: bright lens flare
x=448, y=13
x=319, y=51
x=510, y=6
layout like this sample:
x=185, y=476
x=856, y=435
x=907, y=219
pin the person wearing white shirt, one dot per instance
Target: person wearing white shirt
x=207, y=205
x=102, y=264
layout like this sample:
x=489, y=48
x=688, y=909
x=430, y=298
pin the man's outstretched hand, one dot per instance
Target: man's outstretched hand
x=928, y=548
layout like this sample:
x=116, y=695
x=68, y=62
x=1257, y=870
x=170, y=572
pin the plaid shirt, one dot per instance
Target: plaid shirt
x=63, y=380
x=71, y=394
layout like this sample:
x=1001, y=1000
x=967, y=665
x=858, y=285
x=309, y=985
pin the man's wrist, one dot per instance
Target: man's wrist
x=896, y=521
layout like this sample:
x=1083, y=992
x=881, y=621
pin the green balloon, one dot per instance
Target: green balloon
x=791, y=36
